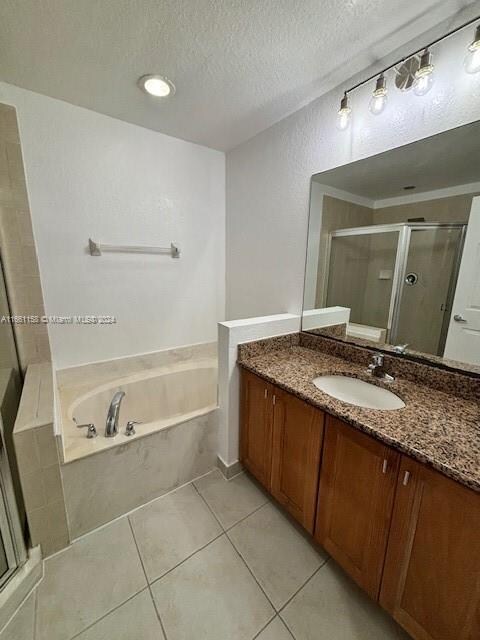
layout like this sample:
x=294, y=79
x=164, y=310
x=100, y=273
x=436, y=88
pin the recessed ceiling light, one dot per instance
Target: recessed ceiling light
x=156, y=85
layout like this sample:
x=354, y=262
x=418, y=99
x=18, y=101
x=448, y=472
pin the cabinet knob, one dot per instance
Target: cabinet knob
x=385, y=466
x=266, y=393
x=406, y=478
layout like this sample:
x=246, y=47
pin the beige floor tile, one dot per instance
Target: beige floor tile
x=276, y=630
x=21, y=626
x=136, y=619
x=279, y=556
x=230, y=500
x=332, y=607
x=211, y=596
x=89, y=579
x=172, y=528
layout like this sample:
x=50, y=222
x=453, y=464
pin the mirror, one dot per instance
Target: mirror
x=393, y=256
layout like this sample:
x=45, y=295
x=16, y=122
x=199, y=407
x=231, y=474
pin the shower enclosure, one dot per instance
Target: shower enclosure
x=397, y=277
x=12, y=515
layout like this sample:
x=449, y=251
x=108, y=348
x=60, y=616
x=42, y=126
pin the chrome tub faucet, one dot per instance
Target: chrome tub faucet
x=111, y=425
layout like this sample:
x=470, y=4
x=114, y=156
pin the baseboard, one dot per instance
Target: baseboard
x=229, y=470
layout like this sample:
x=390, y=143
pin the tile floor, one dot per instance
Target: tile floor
x=214, y=560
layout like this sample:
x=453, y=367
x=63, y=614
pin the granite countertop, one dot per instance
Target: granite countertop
x=434, y=427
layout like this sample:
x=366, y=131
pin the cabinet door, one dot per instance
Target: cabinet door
x=355, y=501
x=431, y=582
x=297, y=443
x=256, y=427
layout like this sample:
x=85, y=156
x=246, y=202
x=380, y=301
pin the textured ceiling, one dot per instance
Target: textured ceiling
x=238, y=65
x=446, y=160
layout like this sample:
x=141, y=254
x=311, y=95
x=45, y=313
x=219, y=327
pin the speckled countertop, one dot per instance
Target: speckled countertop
x=436, y=428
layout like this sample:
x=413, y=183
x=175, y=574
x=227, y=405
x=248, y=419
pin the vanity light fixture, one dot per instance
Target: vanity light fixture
x=424, y=74
x=379, y=96
x=157, y=86
x=415, y=70
x=344, y=113
x=472, y=60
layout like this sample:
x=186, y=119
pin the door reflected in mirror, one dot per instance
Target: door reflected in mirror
x=393, y=257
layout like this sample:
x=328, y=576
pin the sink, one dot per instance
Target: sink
x=358, y=392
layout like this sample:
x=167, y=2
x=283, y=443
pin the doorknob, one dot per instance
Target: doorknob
x=458, y=318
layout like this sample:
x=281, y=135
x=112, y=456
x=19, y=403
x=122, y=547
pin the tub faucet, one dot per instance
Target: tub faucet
x=111, y=425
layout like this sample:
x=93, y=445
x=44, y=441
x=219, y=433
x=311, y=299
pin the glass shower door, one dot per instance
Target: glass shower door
x=361, y=274
x=428, y=285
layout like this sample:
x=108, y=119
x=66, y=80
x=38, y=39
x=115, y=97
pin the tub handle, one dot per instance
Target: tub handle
x=130, y=428
x=91, y=429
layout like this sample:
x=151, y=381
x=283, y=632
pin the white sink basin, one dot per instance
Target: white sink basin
x=358, y=392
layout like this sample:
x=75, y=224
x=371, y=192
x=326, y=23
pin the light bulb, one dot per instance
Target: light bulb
x=424, y=75
x=343, y=117
x=472, y=59
x=157, y=86
x=378, y=100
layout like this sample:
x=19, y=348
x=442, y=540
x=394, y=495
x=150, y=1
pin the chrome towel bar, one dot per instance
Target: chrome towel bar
x=96, y=249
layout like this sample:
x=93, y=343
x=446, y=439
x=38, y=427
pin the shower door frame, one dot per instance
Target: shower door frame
x=10, y=527
x=404, y=230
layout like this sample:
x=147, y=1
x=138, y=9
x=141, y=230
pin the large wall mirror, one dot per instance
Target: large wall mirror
x=393, y=257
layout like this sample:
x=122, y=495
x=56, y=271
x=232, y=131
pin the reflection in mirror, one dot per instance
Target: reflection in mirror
x=393, y=257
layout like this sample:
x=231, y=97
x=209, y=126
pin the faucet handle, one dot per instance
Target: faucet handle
x=91, y=429
x=400, y=348
x=130, y=428
x=377, y=359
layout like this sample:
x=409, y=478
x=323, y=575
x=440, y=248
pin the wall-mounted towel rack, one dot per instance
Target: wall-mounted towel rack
x=96, y=249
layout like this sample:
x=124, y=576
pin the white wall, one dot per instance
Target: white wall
x=268, y=177
x=89, y=175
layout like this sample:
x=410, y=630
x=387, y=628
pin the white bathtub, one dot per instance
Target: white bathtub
x=157, y=398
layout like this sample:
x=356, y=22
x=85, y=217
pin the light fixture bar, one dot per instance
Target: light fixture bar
x=413, y=53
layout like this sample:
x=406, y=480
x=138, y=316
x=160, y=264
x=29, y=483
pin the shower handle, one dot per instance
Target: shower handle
x=458, y=318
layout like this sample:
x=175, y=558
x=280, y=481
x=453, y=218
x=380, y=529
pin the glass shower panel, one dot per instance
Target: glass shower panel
x=427, y=288
x=361, y=273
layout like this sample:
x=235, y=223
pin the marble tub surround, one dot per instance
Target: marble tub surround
x=38, y=461
x=101, y=487
x=88, y=376
x=156, y=398
x=79, y=386
x=437, y=427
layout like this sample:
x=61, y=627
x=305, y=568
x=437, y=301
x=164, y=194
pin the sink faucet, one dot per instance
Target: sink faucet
x=111, y=425
x=376, y=367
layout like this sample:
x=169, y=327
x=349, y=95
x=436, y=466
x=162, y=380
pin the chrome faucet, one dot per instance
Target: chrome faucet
x=376, y=367
x=111, y=425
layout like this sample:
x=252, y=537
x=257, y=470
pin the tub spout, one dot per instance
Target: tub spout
x=111, y=425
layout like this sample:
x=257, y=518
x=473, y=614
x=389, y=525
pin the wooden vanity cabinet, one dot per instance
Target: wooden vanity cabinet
x=297, y=445
x=431, y=581
x=280, y=444
x=355, y=501
x=408, y=535
x=256, y=427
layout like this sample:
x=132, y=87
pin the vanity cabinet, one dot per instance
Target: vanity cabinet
x=408, y=535
x=256, y=427
x=297, y=445
x=431, y=581
x=280, y=444
x=355, y=501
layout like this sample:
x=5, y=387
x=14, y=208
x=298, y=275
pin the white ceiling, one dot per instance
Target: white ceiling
x=238, y=65
x=443, y=161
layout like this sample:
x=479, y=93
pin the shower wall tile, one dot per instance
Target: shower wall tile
x=38, y=462
x=19, y=255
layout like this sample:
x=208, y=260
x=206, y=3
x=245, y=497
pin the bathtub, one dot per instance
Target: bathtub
x=175, y=442
x=157, y=399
